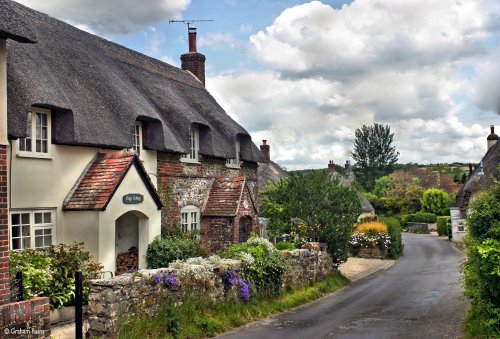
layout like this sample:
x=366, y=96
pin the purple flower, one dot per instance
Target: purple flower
x=131, y=270
x=169, y=280
x=244, y=291
x=229, y=279
x=156, y=278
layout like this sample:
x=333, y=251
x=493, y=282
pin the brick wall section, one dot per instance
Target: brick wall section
x=111, y=301
x=190, y=186
x=218, y=233
x=25, y=319
x=4, y=229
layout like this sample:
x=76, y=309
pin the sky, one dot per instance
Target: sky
x=304, y=75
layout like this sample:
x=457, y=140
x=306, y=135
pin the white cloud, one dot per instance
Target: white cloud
x=111, y=16
x=391, y=61
x=218, y=39
x=153, y=43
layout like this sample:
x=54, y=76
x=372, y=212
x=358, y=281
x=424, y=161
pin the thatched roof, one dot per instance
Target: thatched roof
x=348, y=180
x=269, y=173
x=476, y=183
x=12, y=23
x=98, y=89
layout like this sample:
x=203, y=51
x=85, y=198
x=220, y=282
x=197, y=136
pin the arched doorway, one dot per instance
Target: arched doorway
x=127, y=242
x=245, y=227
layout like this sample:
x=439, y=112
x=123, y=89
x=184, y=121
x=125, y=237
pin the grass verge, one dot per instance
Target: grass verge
x=198, y=318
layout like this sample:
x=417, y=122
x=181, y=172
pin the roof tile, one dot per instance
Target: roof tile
x=224, y=197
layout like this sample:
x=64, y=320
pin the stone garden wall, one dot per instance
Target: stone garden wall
x=111, y=301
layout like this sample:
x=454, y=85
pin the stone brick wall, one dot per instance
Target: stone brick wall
x=307, y=266
x=4, y=229
x=217, y=234
x=195, y=63
x=25, y=319
x=132, y=294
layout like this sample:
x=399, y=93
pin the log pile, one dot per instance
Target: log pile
x=127, y=261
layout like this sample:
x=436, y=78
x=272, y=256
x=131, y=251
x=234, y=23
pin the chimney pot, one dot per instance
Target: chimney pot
x=192, y=39
x=331, y=166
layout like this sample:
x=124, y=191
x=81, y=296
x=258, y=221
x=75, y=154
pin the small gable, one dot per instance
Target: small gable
x=100, y=180
x=225, y=197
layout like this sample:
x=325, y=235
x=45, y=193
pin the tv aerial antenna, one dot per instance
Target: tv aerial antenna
x=189, y=22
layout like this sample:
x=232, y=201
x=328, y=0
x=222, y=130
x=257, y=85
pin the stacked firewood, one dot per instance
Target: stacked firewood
x=127, y=261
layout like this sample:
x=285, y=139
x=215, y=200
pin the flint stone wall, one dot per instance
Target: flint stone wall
x=111, y=301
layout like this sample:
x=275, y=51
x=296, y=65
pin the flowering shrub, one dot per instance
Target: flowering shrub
x=35, y=266
x=231, y=278
x=168, y=279
x=360, y=240
x=264, y=266
x=371, y=228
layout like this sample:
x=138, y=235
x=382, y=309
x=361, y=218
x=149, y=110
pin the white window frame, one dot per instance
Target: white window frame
x=137, y=146
x=33, y=227
x=190, y=219
x=235, y=162
x=33, y=137
x=194, y=146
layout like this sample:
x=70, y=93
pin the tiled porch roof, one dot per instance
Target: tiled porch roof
x=100, y=180
x=224, y=197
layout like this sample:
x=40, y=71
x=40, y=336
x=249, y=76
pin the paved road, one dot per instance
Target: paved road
x=419, y=297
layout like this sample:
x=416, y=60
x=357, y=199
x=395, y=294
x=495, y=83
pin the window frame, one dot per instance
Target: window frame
x=32, y=135
x=235, y=162
x=194, y=146
x=186, y=216
x=138, y=137
x=33, y=227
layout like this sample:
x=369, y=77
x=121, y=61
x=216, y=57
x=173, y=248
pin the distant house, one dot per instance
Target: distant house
x=481, y=178
x=269, y=172
x=348, y=180
x=93, y=131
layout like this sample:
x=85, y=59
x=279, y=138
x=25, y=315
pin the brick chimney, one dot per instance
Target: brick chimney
x=347, y=165
x=331, y=166
x=266, y=151
x=194, y=61
x=492, y=138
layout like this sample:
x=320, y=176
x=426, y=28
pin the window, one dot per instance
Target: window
x=190, y=218
x=194, y=146
x=138, y=138
x=32, y=229
x=235, y=162
x=37, y=141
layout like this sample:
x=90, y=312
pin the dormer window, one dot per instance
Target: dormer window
x=138, y=137
x=236, y=161
x=37, y=141
x=194, y=146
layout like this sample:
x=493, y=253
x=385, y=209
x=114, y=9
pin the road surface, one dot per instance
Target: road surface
x=419, y=297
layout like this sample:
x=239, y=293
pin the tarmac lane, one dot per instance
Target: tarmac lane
x=421, y=296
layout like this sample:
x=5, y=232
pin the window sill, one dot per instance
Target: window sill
x=233, y=166
x=34, y=155
x=190, y=161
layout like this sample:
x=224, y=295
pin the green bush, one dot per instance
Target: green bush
x=435, y=201
x=482, y=267
x=163, y=251
x=267, y=268
x=35, y=266
x=442, y=225
x=65, y=261
x=285, y=245
x=419, y=217
x=394, y=226
x=50, y=273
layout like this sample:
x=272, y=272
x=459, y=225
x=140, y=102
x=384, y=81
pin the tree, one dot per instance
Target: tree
x=327, y=208
x=435, y=201
x=374, y=154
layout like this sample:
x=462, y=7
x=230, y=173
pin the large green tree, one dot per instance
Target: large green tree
x=374, y=153
x=327, y=208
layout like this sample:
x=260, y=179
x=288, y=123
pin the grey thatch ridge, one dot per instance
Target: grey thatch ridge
x=269, y=173
x=475, y=183
x=97, y=89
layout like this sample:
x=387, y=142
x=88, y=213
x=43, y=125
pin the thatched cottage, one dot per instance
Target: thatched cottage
x=96, y=137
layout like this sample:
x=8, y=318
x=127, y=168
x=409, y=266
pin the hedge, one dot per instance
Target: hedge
x=443, y=225
x=394, y=226
x=419, y=217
